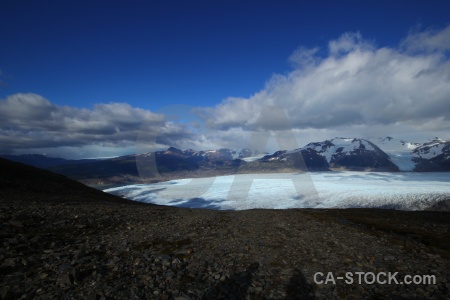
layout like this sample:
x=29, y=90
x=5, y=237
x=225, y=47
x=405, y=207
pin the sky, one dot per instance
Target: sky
x=83, y=79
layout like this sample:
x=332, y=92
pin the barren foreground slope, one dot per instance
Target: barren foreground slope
x=61, y=239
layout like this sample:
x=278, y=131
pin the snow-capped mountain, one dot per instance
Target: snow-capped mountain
x=432, y=149
x=207, y=154
x=354, y=154
x=433, y=156
x=373, y=153
x=385, y=152
x=430, y=156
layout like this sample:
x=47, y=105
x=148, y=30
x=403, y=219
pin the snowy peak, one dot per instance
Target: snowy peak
x=408, y=156
x=339, y=146
x=433, y=156
x=223, y=153
x=347, y=147
x=324, y=148
x=358, y=154
x=352, y=153
x=432, y=149
x=390, y=144
x=174, y=151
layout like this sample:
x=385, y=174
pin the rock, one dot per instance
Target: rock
x=182, y=298
x=15, y=223
x=65, y=278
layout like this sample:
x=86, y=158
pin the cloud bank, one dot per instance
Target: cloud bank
x=31, y=122
x=354, y=84
x=349, y=88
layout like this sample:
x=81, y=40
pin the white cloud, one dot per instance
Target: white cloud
x=354, y=87
x=429, y=40
x=348, y=42
x=303, y=57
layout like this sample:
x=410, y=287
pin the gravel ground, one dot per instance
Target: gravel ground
x=62, y=240
x=117, y=251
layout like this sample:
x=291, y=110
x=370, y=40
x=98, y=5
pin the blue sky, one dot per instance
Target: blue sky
x=149, y=53
x=80, y=55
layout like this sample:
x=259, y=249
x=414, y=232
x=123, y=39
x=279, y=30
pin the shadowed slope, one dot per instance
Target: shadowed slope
x=20, y=180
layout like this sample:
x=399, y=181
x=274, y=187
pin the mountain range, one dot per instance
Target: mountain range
x=357, y=154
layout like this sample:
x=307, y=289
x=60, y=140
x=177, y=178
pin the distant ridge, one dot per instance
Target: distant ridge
x=43, y=161
x=356, y=154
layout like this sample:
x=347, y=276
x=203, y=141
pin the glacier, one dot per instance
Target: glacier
x=403, y=190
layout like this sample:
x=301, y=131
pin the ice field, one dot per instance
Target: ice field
x=403, y=190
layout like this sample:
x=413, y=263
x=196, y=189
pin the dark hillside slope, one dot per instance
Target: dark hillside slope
x=20, y=179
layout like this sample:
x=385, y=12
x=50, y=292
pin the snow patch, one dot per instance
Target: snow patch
x=430, y=150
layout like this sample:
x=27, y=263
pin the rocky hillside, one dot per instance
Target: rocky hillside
x=63, y=240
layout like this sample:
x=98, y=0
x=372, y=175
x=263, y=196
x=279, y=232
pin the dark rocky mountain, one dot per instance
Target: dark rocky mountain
x=303, y=160
x=159, y=165
x=174, y=159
